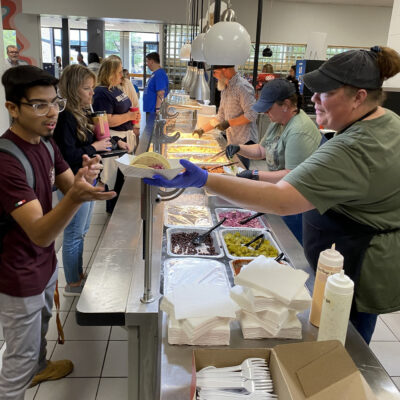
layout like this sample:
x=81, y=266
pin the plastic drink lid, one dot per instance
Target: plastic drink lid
x=340, y=283
x=331, y=257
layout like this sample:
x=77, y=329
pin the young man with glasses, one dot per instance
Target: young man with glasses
x=13, y=57
x=28, y=265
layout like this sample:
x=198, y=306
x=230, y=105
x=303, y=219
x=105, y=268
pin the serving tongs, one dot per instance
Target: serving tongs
x=261, y=236
x=219, y=154
x=248, y=219
x=279, y=257
x=198, y=240
x=223, y=165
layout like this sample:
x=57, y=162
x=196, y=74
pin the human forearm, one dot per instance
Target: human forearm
x=240, y=120
x=272, y=176
x=252, y=151
x=119, y=119
x=46, y=229
x=160, y=98
x=281, y=198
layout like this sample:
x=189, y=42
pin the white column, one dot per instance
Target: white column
x=4, y=118
x=394, y=40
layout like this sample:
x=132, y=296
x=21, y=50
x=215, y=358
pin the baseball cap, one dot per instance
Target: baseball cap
x=275, y=90
x=220, y=67
x=358, y=68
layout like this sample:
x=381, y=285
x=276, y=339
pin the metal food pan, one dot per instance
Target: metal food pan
x=219, y=211
x=197, y=142
x=250, y=233
x=216, y=242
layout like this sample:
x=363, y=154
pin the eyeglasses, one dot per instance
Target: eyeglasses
x=41, y=109
x=13, y=52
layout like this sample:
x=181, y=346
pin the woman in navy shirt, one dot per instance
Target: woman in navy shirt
x=109, y=98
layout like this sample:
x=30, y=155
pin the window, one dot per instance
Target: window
x=9, y=38
x=112, y=43
x=78, y=44
x=175, y=36
x=51, y=44
x=136, y=55
x=283, y=57
x=332, y=50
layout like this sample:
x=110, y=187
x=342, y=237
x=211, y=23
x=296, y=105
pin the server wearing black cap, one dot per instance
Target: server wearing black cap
x=349, y=187
x=235, y=114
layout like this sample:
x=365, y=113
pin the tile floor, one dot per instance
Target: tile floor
x=100, y=353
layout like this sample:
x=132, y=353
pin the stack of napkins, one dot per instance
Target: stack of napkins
x=199, y=314
x=270, y=295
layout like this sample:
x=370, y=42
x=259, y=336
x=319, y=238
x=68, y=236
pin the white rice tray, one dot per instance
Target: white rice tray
x=187, y=216
x=124, y=164
x=271, y=251
x=202, y=248
x=256, y=223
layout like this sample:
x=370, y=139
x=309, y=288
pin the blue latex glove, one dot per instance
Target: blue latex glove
x=192, y=177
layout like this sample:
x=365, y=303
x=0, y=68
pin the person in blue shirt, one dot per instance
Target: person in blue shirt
x=157, y=85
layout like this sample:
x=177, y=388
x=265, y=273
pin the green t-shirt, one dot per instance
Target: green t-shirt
x=288, y=146
x=357, y=173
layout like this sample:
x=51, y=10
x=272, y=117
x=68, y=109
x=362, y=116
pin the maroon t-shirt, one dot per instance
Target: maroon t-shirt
x=26, y=268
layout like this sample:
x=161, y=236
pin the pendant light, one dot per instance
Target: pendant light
x=228, y=15
x=227, y=43
x=200, y=90
x=184, y=53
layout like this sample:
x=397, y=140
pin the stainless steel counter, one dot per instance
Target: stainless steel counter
x=176, y=361
x=112, y=293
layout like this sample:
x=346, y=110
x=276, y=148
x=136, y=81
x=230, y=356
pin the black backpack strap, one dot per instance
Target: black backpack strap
x=7, y=146
x=50, y=148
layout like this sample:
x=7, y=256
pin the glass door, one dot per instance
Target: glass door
x=148, y=47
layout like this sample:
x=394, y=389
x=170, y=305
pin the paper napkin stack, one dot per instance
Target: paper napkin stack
x=270, y=295
x=199, y=314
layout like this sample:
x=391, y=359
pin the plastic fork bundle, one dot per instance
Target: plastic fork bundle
x=249, y=380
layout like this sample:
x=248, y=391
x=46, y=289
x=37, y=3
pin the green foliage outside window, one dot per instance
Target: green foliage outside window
x=9, y=38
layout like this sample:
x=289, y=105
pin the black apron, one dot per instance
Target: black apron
x=351, y=238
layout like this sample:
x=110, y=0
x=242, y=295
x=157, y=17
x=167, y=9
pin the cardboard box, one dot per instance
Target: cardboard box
x=300, y=371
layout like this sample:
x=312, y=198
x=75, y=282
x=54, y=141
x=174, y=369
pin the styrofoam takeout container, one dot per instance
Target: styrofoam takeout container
x=250, y=233
x=216, y=242
x=124, y=164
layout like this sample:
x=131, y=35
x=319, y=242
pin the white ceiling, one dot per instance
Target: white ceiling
x=379, y=3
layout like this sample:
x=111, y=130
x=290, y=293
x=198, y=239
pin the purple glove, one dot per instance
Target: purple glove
x=192, y=177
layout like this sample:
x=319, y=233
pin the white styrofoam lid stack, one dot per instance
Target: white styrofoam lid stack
x=203, y=301
x=270, y=277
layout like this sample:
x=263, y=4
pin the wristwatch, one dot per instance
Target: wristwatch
x=256, y=176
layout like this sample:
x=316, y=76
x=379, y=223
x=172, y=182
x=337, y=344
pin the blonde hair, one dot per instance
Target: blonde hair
x=72, y=78
x=108, y=69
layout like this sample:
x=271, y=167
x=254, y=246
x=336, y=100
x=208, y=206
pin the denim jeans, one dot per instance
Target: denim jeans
x=363, y=322
x=74, y=235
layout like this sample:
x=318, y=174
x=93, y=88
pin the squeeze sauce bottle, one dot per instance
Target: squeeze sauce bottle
x=330, y=262
x=336, y=308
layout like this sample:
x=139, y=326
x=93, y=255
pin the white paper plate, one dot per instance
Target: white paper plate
x=124, y=164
